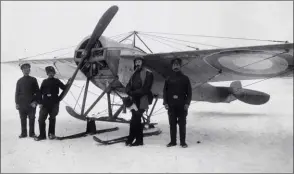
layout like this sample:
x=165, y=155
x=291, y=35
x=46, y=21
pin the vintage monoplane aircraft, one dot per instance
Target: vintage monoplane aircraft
x=109, y=65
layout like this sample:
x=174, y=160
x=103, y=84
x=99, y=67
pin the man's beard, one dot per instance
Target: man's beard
x=137, y=67
x=50, y=75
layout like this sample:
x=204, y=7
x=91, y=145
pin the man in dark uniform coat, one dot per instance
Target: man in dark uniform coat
x=176, y=99
x=49, y=103
x=26, y=98
x=139, y=89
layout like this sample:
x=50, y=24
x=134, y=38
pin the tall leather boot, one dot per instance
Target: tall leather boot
x=42, y=127
x=52, y=123
x=32, y=128
x=24, y=133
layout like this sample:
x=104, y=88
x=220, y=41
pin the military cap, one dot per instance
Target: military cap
x=25, y=65
x=176, y=60
x=49, y=69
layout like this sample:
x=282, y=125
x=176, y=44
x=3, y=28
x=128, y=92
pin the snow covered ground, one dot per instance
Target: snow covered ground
x=234, y=137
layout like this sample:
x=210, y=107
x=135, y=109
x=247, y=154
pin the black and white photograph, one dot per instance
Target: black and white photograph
x=147, y=86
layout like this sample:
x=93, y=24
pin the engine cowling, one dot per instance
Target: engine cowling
x=105, y=54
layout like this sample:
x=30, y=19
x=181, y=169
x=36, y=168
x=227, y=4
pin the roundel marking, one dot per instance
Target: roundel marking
x=248, y=62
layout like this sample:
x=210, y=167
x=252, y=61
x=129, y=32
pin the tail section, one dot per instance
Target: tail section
x=248, y=96
x=236, y=85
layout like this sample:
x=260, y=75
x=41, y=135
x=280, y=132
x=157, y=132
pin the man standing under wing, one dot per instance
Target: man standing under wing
x=177, y=96
x=49, y=103
x=26, y=96
x=139, y=89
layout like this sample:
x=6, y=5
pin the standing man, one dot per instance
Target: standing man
x=27, y=94
x=139, y=89
x=49, y=103
x=176, y=99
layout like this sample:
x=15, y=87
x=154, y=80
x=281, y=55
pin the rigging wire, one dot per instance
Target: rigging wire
x=150, y=33
x=64, y=82
x=118, y=39
x=120, y=35
x=79, y=97
x=47, y=52
x=219, y=37
x=65, y=48
x=176, y=42
x=183, y=40
x=163, y=43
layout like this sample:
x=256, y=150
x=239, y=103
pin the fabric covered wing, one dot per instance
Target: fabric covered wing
x=240, y=63
x=64, y=67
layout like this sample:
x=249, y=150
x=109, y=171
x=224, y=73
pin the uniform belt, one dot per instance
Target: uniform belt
x=175, y=97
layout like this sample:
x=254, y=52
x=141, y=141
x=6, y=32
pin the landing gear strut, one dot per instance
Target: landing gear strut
x=91, y=126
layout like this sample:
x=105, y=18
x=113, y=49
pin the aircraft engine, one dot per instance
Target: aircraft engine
x=91, y=67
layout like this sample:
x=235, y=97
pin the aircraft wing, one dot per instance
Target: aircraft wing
x=239, y=63
x=64, y=67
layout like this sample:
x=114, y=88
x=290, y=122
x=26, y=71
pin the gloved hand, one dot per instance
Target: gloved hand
x=186, y=106
x=34, y=104
x=166, y=106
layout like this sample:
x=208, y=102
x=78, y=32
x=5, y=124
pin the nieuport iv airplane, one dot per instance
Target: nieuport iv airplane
x=109, y=65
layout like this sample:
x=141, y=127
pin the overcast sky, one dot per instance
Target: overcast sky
x=29, y=28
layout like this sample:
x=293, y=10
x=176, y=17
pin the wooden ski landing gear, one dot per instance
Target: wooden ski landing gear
x=91, y=126
x=83, y=134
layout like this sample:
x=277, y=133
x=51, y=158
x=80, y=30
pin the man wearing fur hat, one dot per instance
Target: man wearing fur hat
x=26, y=97
x=49, y=103
x=176, y=99
x=139, y=90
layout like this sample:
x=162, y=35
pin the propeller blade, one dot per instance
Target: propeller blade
x=99, y=29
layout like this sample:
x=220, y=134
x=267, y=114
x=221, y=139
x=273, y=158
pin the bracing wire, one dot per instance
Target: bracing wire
x=182, y=40
x=63, y=82
x=79, y=97
x=119, y=35
x=47, y=52
x=174, y=42
x=219, y=37
x=150, y=33
x=65, y=48
x=163, y=43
